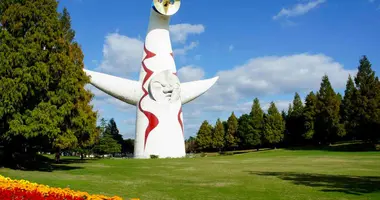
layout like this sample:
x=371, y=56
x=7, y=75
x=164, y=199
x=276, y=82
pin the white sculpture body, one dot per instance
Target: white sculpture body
x=158, y=95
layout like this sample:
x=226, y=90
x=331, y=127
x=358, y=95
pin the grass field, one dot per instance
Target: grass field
x=277, y=174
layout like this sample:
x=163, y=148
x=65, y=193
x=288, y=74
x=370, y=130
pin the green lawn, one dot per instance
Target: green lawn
x=277, y=174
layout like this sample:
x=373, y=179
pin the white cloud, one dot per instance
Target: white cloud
x=298, y=9
x=121, y=55
x=271, y=76
x=180, y=32
x=246, y=106
x=190, y=73
x=183, y=51
x=267, y=78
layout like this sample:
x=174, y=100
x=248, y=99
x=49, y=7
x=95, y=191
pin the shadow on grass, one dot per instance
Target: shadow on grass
x=355, y=185
x=42, y=163
x=342, y=147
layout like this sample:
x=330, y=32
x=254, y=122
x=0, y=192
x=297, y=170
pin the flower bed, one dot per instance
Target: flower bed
x=21, y=189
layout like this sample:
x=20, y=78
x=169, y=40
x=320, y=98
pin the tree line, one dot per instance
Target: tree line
x=325, y=118
x=109, y=141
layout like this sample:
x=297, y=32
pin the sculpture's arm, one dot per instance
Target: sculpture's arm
x=192, y=90
x=125, y=90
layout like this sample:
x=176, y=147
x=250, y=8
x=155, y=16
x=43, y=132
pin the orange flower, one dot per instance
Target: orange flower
x=24, y=187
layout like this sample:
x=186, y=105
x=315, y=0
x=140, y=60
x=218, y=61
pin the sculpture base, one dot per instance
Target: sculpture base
x=160, y=157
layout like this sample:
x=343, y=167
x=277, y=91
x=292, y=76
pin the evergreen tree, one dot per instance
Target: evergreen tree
x=309, y=116
x=274, y=126
x=348, y=108
x=113, y=131
x=204, y=136
x=328, y=126
x=128, y=146
x=284, y=115
x=218, y=136
x=367, y=102
x=248, y=137
x=257, y=122
x=190, y=145
x=231, y=133
x=43, y=103
x=295, y=121
x=107, y=145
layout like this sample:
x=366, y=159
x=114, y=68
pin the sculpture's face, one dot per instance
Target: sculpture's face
x=165, y=87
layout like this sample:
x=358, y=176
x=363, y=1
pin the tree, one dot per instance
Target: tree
x=43, y=103
x=231, y=133
x=191, y=145
x=218, y=136
x=328, y=126
x=367, y=102
x=257, y=122
x=309, y=116
x=274, y=126
x=248, y=137
x=107, y=145
x=348, y=108
x=113, y=131
x=128, y=146
x=295, y=121
x=204, y=136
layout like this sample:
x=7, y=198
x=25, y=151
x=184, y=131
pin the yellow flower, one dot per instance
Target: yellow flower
x=9, y=184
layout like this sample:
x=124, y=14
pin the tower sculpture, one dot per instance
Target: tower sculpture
x=158, y=95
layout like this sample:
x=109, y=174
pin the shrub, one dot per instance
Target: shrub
x=153, y=156
x=203, y=154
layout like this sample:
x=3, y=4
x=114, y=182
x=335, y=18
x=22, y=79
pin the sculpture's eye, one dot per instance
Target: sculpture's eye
x=166, y=7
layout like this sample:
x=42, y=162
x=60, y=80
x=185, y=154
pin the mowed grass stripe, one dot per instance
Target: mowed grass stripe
x=275, y=174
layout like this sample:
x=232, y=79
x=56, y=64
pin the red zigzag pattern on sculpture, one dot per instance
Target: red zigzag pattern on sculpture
x=153, y=120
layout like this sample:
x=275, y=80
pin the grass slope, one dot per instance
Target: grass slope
x=277, y=174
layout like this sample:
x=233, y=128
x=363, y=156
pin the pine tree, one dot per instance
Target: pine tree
x=257, y=122
x=367, y=102
x=274, y=126
x=112, y=129
x=328, y=126
x=204, y=136
x=218, y=136
x=43, y=102
x=295, y=121
x=309, y=116
x=348, y=108
x=248, y=137
x=231, y=132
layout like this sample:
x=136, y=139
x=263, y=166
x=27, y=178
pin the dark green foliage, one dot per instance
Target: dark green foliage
x=328, y=128
x=274, y=126
x=218, y=135
x=249, y=138
x=43, y=103
x=309, y=116
x=348, y=108
x=107, y=145
x=294, y=120
x=204, y=136
x=128, y=146
x=231, y=139
x=113, y=131
x=367, y=102
x=191, y=145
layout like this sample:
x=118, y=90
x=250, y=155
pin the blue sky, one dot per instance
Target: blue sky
x=264, y=49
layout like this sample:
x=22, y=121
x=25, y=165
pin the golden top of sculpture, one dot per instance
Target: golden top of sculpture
x=166, y=7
